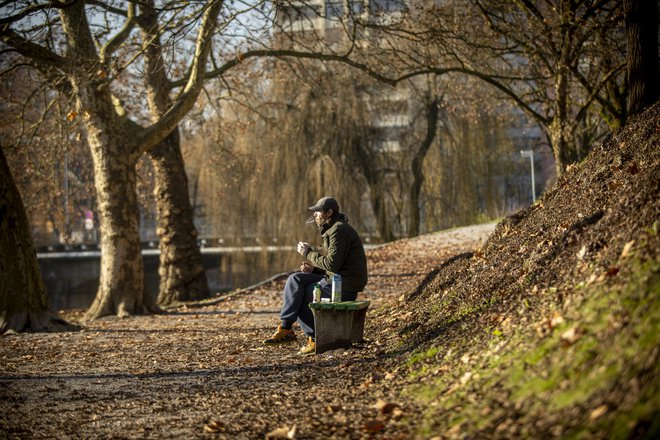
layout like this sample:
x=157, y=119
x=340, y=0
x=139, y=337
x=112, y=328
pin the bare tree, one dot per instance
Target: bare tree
x=72, y=58
x=557, y=61
x=94, y=64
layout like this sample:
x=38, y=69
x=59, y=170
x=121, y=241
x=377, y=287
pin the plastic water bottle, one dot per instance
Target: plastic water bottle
x=317, y=293
x=336, y=288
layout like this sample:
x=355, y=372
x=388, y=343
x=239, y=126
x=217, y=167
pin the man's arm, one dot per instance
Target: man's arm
x=338, y=247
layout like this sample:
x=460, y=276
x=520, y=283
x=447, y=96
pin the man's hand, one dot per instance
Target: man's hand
x=303, y=247
x=306, y=267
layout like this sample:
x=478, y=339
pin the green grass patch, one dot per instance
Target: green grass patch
x=619, y=336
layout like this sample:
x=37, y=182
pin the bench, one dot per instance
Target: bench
x=338, y=324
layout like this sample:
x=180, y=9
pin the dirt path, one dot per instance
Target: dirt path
x=204, y=373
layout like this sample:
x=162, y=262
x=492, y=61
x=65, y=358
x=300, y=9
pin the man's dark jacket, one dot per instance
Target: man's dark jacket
x=344, y=254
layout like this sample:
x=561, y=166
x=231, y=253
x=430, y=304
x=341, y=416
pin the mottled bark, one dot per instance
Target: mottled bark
x=562, y=139
x=182, y=276
x=23, y=300
x=121, y=285
x=109, y=136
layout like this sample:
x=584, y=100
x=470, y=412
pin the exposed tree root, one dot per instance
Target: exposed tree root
x=36, y=322
x=218, y=299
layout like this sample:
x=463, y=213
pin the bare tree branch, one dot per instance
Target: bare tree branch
x=594, y=90
x=34, y=8
x=116, y=41
x=186, y=100
x=285, y=53
x=37, y=53
x=107, y=7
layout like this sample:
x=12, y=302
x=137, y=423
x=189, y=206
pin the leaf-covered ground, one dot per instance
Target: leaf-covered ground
x=549, y=329
x=203, y=372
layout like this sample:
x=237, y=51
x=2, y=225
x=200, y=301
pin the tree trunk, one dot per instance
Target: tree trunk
x=111, y=140
x=562, y=128
x=23, y=301
x=383, y=223
x=417, y=167
x=121, y=284
x=562, y=139
x=182, y=276
x=641, y=17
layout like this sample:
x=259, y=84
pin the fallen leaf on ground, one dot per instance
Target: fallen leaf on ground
x=454, y=430
x=385, y=407
x=397, y=413
x=556, y=319
x=341, y=419
x=214, y=426
x=374, y=425
x=626, y=249
x=598, y=412
x=571, y=336
x=283, y=432
x=582, y=252
x=465, y=378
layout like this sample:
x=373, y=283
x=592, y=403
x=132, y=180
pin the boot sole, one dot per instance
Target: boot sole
x=284, y=341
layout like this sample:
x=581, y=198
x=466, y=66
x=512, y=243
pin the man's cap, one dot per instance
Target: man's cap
x=324, y=204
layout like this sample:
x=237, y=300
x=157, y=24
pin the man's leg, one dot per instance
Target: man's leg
x=306, y=316
x=293, y=302
x=296, y=299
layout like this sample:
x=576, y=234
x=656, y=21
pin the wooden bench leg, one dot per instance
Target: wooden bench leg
x=333, y=329
x=338, y=325
x=357, y=332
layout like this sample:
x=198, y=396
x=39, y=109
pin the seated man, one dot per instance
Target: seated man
x=343, y=255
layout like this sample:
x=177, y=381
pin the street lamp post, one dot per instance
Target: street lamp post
x=530, y=154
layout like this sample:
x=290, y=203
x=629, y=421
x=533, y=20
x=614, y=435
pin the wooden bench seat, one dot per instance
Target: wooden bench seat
x=338, y=324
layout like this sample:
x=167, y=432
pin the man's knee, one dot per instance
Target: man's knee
x=294, y=278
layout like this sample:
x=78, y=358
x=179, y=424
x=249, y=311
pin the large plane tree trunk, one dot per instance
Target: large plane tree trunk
x=23, y=301
x=182, y=276
x=110, y=137
x=121, y=285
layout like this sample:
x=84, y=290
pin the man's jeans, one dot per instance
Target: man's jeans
x=299, y=292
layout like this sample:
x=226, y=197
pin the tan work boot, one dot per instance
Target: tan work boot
x=310, y=348
x=281, y=336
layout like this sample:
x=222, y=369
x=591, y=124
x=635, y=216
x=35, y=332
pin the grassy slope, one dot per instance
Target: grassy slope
x=551, y=329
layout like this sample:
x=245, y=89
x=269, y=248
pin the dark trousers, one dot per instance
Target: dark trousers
x=298, y=293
